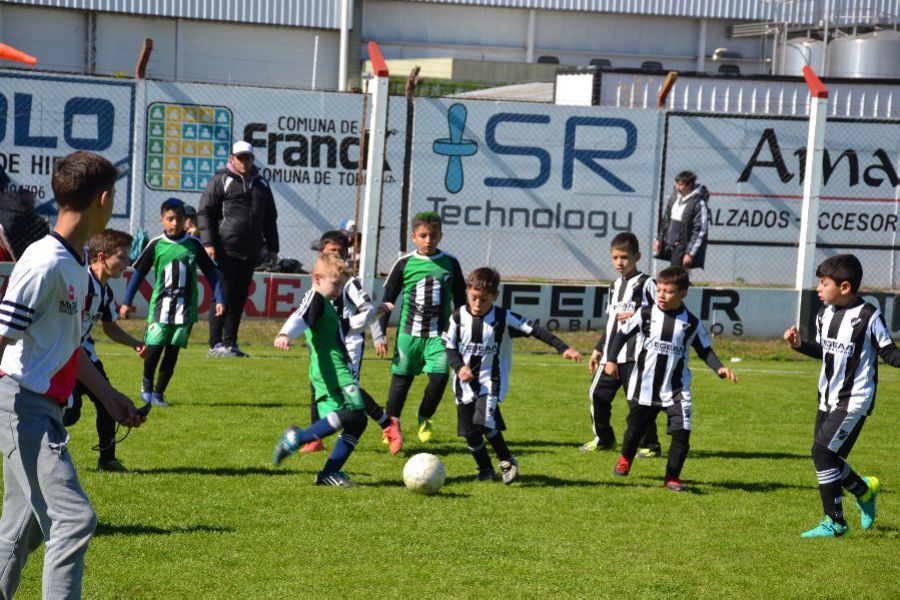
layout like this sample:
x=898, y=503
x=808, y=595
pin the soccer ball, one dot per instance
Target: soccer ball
x=424, y=474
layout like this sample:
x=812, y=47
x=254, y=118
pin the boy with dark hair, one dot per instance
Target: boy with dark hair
x=354, y=301
x=429, y=280
x=174, y=257
x=479, y=348
x=339, y=396
x=108, y=256
x=631, y=292
x=40, y=358
x=661, y=381
x=850, y=336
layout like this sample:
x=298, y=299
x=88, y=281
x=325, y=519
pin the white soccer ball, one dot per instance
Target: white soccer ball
x=424, y=474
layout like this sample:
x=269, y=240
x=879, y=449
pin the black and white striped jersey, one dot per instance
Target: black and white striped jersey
x=99, y=305
x=661, y=373
x=850, y=338
x=625, y=295
x=484, y=345
x=352, y=302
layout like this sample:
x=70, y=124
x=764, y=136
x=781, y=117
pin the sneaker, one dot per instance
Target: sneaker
x=157, y=399
x=393, y=435
x=867, y=506
x=649, y=453
x=236, y=351
x=674, y=484
x=232, y=352
x=425, y=431
x=215, y=351
x=313, y=446
x=590, y=446
x=510, y=469
x=287, y=445
x=827, y=528
x=623, y=467
x=111, y=466
x=486, y=475
x=336, y=479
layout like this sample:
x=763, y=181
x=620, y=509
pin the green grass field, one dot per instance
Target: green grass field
x=204, y=514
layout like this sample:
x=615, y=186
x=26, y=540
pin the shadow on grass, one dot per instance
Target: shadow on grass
x=751, y=455
x=461, y=449
x=222, y=471
x=752, y=486
x=104, y=529
x=246, y=404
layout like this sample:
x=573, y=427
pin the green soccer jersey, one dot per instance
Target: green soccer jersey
x=429, y=284
x=174, y=263
x=330, y=367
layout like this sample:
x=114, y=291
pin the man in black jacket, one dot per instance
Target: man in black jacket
x=684, y=224
x=237, y=222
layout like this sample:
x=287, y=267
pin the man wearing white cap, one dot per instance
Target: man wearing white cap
x=238, y=227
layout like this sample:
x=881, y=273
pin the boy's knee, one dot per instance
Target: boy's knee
x=474, y=440
x=823, y=458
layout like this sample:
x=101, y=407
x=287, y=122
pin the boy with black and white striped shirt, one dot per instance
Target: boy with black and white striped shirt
x=479, y=349
x=850, y=335
x=661, y=381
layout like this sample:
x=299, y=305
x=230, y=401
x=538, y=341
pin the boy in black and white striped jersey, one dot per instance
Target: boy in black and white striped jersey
x=850, y=335
x=661, y=381
x=479, y=349
x=627, y=294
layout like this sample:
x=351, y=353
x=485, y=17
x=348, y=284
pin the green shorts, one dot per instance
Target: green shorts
x=415, y=355
x=163, y=334
x=345, y=398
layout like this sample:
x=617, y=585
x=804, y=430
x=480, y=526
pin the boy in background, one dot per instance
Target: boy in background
x=174, y=257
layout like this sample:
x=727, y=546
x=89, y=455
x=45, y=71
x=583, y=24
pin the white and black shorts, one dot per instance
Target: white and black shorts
x=838, y=430
x=479, y=416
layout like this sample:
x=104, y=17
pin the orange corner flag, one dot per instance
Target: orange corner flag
x=10, y=53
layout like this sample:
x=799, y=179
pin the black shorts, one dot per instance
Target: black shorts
x=838, y=430
x=479, y=416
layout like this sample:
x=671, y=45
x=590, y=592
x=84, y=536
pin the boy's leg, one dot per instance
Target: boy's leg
x=106, y=425
x=679, y=427
x=315, y=445
x=406, y=364
x=166, y=369
x=639, y=417
x=603, y=390
x=400, y=385
x=465, y=428
x=41, y=494
x=154, y=353
x=354, y=424
x=437, y=367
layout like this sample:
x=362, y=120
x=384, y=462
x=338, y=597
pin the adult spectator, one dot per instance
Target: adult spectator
x=238, y=228
x=684, y=224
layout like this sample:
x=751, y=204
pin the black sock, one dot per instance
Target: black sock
x=166, y=369
x=678, y=451
x=375, y=412
x=495, y=437
x=852, y=482
x=154, y=353
x=400, y=385
x=481, y=457
x=434, y=391
x=833, y=501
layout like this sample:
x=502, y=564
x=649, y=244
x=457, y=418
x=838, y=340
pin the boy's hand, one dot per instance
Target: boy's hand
x=465, y=374
x=792, y=336
x=122, y=410
x=282, y=342
x=141, y=350
x=220, y=309
x=381, y=350
x=624, y=316
x=724, y=373
x=572, y=354
x=125, y=310
x=594, y=363
x=611, y=369
x=211, y=252
x=385, y=308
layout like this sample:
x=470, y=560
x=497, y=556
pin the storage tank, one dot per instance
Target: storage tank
x=800, y=52
x=874, y=55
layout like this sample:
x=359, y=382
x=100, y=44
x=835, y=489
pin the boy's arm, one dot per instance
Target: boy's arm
x=627, y=330
x=208, y=267
x=393, y=287
x=520, y=326
x=360, y=299
x=141, y=267
x=311, y=308
x=120, y=336
x=649, y=296
x=117, y=404
x=451, y=343
x=459, y=286
x=810, y=349
x=881, y=338
x=703, y=345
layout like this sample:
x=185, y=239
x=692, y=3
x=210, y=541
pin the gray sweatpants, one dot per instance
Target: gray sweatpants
x=42, y=497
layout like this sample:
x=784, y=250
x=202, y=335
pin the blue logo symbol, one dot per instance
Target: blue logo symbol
x=455, y=147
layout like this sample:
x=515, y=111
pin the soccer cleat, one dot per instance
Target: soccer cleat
x=827, y=528
x=486, y=475
x=157, y=399
x=590, y=446
x=674, y=484
x=313, y=446
x=649, y=452
x=336, y=479
x=866, y=503
x=425, y=431
x=111, y=466
x=236, y=351
x=393, y=435
x=510, y=469
x=215, y=351
x=623, y=467
x=287, y=445
x=232, y=352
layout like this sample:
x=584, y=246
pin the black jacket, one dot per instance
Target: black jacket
x=694, y=234
x=238, y=216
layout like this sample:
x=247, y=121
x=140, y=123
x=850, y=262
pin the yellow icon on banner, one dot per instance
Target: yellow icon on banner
x=205, y=148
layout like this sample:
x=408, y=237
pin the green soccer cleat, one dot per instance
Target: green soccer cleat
x=425, y=431
x=827, y=528
x=866, y=503
x=590, y=446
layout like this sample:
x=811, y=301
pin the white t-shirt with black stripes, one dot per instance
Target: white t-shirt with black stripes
x=485, y=347
x=353, y=301
x=626, y=295
x=850, y=337
x=99, y=305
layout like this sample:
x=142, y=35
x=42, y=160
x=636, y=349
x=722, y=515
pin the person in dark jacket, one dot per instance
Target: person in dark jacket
x=238, y=227
x=684, y=224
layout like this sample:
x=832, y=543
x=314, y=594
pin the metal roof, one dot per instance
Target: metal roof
x=319, y=14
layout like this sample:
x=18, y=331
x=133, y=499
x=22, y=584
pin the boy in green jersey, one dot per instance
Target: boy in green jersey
x=429, y=280
x=174, y=258
x=339, y=397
